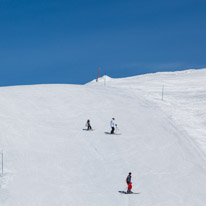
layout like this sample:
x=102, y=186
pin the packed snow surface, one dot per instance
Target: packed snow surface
x=49, y=160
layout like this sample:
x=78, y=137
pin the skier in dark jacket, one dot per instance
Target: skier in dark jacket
x=129, y=182
x=88, y=125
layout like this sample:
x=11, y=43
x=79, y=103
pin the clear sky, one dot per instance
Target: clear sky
x=66, y=41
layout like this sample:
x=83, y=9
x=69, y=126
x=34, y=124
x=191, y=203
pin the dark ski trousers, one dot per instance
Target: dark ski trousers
x=112, y=132
x=89, y=127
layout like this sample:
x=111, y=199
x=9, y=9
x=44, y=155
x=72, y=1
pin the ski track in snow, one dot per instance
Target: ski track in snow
x=50, y=160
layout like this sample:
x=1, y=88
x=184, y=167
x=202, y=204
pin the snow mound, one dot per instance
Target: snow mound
x=101, y=80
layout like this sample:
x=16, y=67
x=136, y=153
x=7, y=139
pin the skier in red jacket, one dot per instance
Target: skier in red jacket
x=129, y=183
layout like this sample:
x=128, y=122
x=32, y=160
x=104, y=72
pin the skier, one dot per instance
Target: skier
x=129, y=183
x=88, y=125
x=112, y=124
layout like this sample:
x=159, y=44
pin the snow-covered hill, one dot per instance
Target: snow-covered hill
x=50, y=160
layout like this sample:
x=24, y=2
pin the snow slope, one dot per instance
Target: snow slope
x=50, y=160
x=184, y=97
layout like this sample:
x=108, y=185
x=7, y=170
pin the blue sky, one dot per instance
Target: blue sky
x=64, y=41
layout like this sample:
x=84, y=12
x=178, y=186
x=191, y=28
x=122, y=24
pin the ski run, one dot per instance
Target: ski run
x=49, y=160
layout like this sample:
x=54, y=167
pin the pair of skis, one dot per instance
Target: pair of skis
x=113, y=133
x=129, y=193
x=88, y=129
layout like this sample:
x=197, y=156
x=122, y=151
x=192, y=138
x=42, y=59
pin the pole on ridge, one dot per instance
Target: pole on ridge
x=162, y=92
x=98, y=75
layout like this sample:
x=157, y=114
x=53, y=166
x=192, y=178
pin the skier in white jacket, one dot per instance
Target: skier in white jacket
x=112, y=124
